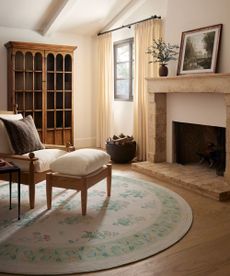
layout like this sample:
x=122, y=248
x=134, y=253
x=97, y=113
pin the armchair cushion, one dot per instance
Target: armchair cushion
x=5, y=144
x=23, y=135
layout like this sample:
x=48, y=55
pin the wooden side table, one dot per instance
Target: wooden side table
x=6, y=167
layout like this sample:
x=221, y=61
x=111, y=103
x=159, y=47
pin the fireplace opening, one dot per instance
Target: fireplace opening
x=201, y=144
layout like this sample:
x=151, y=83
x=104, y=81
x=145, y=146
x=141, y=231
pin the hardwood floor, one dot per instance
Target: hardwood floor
x=205, y=250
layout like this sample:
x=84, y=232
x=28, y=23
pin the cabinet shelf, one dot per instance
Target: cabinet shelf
x=59, y=109
x=59, y=72
x=26, y=71
x=59, y=128
x=55, y=90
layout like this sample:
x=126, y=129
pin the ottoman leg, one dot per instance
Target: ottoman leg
x=84, y=200
x=109, y=179
x=49, y=190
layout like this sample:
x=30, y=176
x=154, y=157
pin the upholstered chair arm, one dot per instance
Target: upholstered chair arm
x=30, y=157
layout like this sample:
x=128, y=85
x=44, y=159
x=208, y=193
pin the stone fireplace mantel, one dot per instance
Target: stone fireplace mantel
x=157, y=93
x=205, y=83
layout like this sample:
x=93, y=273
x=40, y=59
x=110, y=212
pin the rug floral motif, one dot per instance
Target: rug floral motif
x=139, y=220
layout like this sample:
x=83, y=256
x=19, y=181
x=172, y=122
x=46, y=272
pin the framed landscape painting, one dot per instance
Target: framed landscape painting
x=199, y=50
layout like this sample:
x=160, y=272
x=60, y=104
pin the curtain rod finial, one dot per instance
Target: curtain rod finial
x=156, y=17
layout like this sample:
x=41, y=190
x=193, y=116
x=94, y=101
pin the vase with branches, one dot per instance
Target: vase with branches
x=162, y=53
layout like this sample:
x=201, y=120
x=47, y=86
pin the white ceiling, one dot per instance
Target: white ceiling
x=70, y=16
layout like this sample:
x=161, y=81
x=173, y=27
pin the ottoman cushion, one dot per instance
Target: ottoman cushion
x=80, y=162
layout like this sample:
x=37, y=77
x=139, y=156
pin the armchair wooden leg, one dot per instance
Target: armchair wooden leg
x=32, y=195
x=31, y=181
x=49, y=190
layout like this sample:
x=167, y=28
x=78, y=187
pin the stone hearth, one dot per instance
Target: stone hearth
x=199, y=179
x=196, y=178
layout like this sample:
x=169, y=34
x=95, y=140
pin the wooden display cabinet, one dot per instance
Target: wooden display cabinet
x=40, y=82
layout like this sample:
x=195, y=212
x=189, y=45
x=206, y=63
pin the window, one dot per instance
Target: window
x=123, y=70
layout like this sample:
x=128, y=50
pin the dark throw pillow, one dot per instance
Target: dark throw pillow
x=23, y=135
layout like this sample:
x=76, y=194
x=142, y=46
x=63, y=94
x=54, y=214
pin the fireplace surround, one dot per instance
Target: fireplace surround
x=198, y=143
x=158, y=89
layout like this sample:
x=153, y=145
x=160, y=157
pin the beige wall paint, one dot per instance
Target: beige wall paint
x=84, y=109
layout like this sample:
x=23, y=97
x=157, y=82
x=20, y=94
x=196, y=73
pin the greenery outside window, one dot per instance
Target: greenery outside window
x=123, y=70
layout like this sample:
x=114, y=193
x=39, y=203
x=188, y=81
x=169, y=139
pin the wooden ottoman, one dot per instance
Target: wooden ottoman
x=79, y=170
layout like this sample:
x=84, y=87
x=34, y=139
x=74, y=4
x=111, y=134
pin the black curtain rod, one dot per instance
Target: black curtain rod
x=129, y=25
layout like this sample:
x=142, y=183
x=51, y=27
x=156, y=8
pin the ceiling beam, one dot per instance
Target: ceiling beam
x=58, y=17
x=129, y=9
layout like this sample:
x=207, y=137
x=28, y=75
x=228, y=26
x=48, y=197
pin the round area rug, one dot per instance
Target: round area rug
x=139, y=220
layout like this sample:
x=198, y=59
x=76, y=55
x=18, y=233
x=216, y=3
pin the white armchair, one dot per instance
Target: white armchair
x=34, y=165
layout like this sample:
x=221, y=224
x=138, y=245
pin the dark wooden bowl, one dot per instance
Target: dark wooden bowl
x=121, y=153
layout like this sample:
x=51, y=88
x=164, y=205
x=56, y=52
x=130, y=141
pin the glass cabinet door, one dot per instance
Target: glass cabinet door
x=28, y=85
x=59, y=98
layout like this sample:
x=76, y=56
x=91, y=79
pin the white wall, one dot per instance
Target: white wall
x=184, y=15
x=84, y=124
x=123, y=110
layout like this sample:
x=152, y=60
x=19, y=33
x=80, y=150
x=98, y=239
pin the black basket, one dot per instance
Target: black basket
x=123, y=153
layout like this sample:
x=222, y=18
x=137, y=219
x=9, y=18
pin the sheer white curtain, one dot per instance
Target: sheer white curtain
x=145, y=32
x=104, y=89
